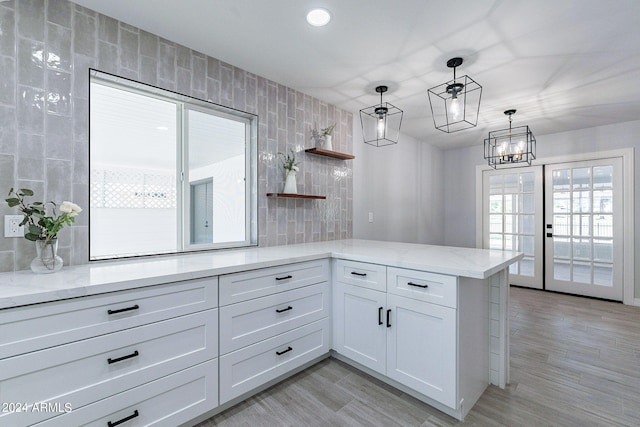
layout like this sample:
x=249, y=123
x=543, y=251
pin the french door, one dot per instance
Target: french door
x=583, y=228
x=512, y=203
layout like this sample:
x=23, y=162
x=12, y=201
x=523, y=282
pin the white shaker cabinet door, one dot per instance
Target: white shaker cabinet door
x=421, y=348
x=360, y=325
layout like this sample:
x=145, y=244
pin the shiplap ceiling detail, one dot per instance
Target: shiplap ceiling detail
x=564, y=64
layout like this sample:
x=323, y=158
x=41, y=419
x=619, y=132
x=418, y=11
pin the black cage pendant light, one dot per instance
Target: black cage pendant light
x=381, y=123
x=510, y=147
x=455, y=104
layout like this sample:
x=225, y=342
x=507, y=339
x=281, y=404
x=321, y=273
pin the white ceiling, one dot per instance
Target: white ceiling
x=564, y=64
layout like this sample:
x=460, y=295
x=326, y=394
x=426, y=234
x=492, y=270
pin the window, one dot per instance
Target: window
x=168, y=173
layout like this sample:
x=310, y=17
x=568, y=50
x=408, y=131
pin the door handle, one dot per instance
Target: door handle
x=380, y=316
x=549, y=234
x=389, y=318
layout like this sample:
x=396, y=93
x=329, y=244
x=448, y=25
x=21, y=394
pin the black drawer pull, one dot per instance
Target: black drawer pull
x=389, y=318
x=282, y=310
x=124, y=420
x=417, y=285
x=280, y=353
x=122, y=310
x=380, y=316
x=358, y=274
x=285, y=277
x=120, y=359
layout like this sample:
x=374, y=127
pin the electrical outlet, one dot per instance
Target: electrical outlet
x=12, y=226
x=370, y=216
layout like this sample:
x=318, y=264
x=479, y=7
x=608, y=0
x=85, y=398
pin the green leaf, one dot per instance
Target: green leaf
x=32, y=237
x=26, y=192
x=37, y=203
x=33, y=229
x=12, y=202
x=10, y=191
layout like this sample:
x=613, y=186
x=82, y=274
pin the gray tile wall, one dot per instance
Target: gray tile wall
x=46, y=48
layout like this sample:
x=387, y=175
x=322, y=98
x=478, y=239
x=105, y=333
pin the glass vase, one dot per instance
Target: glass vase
x=47, y=259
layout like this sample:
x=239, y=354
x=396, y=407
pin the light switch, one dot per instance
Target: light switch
x=370, y=216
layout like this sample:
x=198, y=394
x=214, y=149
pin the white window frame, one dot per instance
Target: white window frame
x=183, y=104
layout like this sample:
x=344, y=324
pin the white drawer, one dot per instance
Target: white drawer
x=372, y=276
x=169, y=401
x=247, y=285
x=251, y=321
x=431, y=287
x=39, y=326
x=85, y=371
x=250, y=367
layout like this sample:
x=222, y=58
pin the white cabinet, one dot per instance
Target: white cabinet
x=272, y=321
x=421, y=347
x=359, y=325
x=246, y=369
x=93, y=349
x=408, y=339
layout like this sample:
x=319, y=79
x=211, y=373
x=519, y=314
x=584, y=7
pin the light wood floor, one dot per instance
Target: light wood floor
x=574, y=362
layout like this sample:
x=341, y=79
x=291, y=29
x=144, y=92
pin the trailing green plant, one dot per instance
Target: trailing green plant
x=39, y=225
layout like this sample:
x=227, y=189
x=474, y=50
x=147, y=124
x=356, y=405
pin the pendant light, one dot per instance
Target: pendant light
x=510, y=147
x=381, y=123
x=455, y=104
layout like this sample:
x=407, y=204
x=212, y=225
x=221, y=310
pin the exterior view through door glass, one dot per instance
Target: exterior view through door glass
x=512, y=220
x=584, y=228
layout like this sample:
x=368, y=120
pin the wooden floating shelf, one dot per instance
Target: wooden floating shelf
x=328, y=153
x=294, y=196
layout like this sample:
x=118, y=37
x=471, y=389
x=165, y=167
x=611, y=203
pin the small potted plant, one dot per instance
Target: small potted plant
x=42, y=224
x=290, y=167
x=326, y=135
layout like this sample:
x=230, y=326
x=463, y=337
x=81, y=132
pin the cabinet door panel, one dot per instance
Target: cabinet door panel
x=251, y=321
x=421, y=348
x=358, y=333
x=364, y=274
x=250, y=367
x=170, y=400
x=246, y=285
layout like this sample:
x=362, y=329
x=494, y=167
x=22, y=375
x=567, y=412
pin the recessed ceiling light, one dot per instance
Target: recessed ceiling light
x=318, y=17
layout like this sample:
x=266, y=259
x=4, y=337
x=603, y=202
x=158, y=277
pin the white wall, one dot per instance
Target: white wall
x=402, y=186
x=460, y=167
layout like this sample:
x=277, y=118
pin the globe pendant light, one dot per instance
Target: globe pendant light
x=381, y=123
x=455, y=104
x=510, y=147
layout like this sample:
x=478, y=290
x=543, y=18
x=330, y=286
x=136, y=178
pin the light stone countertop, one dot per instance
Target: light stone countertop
x=24, y=287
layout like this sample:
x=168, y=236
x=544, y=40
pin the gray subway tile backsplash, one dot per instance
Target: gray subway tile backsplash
x=44, y=134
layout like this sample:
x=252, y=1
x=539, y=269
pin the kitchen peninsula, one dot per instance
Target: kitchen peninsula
x=190, y=335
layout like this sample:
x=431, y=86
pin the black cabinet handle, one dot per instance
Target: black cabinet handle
x=285, y=277
x=282, y=310
x=417, y=285
x=280, y=353
x=358, y=274
x=123, y=420
x=122, y=310
x=389, y=318
x=120, y=359
x=379, y=315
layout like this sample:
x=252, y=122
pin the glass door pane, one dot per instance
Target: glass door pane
x=582, y=201
x=512, y=220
